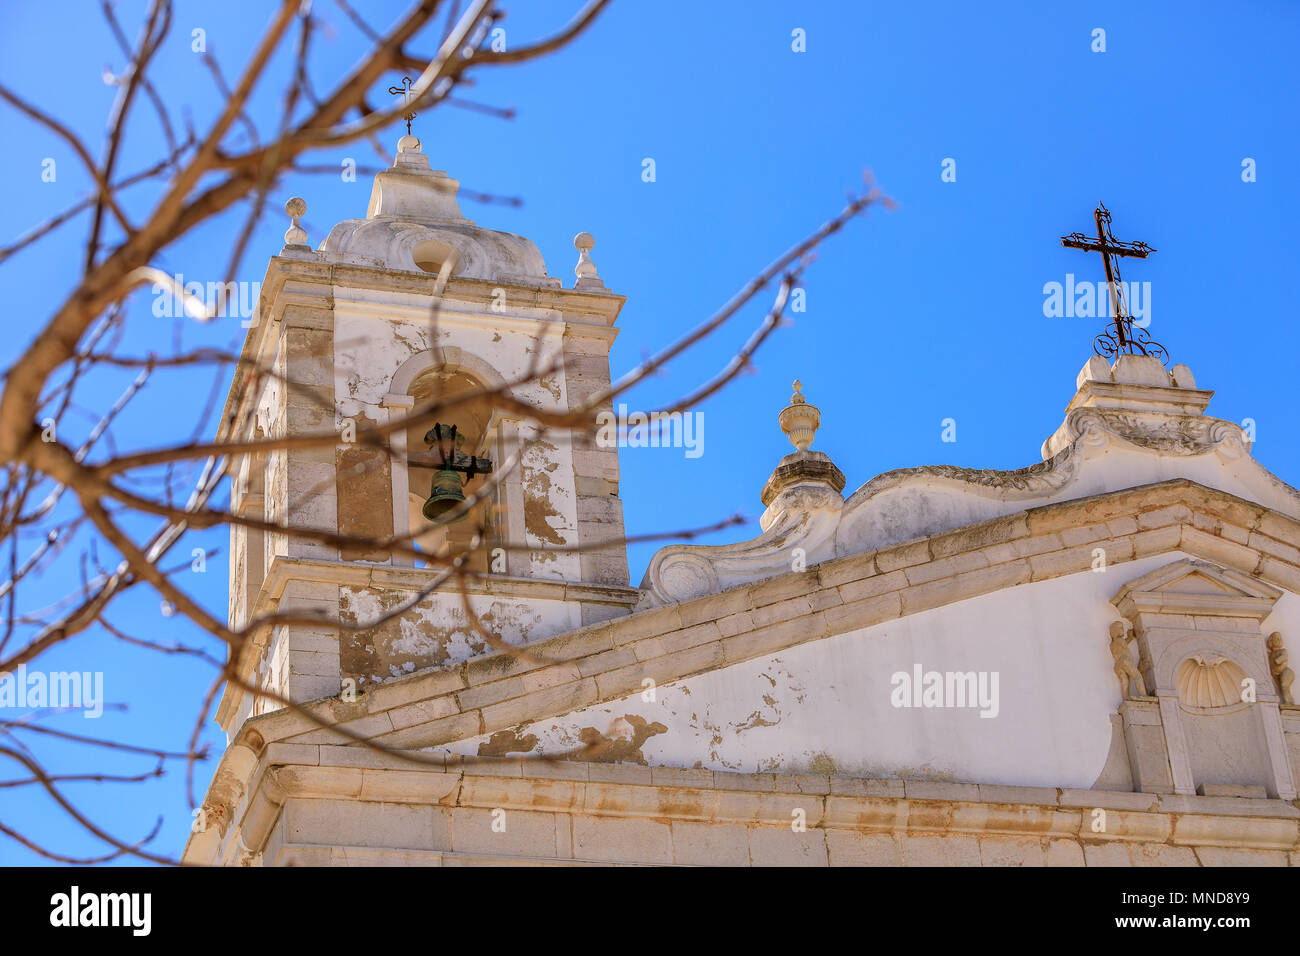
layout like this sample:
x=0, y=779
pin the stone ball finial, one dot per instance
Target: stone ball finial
x=584, y=242
x=585, y=270
x=408, y=144
x=799, y=420
x=295, y=235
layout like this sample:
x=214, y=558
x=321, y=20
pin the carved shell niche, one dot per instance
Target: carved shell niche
x=1209, y=681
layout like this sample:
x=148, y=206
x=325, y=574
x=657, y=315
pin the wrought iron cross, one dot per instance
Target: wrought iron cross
x=1123, y=338
x=404, y=91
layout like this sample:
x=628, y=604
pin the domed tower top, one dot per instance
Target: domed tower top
x=414, y=223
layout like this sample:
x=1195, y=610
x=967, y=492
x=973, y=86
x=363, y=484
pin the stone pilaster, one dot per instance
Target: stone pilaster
x=595, y=469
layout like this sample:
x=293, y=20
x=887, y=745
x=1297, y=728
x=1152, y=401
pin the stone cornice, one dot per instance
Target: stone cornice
x=602, y=307
x=806, y=466
x=1189, y=401
x=289, y=771
x=1254, y=608
x=310, y=282
x=358, y=574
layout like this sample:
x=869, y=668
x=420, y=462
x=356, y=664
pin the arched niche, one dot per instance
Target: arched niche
x=1219, y=716
x=458, y=378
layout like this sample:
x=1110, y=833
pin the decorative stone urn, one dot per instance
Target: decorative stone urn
x=799, y=420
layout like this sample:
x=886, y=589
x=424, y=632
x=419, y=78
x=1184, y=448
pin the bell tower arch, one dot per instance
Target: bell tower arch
x=453, y=375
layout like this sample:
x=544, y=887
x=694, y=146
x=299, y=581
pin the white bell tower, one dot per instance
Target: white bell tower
x=414, y=305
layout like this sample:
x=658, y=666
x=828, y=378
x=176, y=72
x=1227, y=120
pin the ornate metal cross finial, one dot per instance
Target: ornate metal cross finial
x=404, y=91
x=1124, y=337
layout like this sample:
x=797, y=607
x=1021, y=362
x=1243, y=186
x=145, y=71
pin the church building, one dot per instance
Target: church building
x=1080, y=662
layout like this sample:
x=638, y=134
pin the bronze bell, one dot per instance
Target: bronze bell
x=446, y=493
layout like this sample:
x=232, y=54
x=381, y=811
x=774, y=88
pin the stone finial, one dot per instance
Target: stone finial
x=799, y=420
x=802, y=468
x=584, y=242
x=585, y=270
x=295, y=235
x=411, y=190
x=410, y=154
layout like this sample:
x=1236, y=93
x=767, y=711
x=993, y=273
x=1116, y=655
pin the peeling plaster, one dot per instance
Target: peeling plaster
x=506, y=742
x=544, y=522
x=436, y=632
x=622, y=742
x=1053, y=727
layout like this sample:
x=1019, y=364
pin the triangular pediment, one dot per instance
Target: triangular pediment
x=1190, y=586
x=1200, y=583
x=1189, y=576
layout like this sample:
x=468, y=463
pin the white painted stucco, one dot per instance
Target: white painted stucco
x=826, y=705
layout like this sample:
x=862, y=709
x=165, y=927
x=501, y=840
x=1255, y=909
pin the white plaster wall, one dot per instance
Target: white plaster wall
x=825, y=706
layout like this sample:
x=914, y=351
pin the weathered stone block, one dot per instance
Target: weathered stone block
x=622, y=840
x=853, y=848
x=360, y=823
x=710, y=844
x=779, y=846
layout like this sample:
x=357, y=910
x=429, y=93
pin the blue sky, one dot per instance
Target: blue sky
x=932, y=311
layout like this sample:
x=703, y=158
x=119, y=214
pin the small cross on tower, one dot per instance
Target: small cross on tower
x=404, y=91
x=1123, y=338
